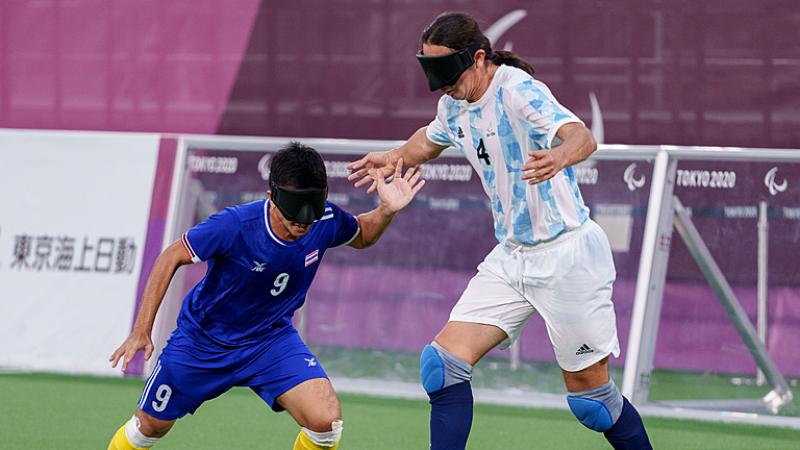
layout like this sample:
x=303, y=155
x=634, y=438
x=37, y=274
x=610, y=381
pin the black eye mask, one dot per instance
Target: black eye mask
x=445, y=70
x=299, y=205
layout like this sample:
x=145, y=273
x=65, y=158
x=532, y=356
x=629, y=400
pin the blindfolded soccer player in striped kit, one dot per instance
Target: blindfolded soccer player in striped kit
x=234, y=327
x=551, y=257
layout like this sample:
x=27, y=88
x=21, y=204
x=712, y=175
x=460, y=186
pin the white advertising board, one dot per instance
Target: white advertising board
x=74, y=210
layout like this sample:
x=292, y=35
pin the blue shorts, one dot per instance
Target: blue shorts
x=192, y=370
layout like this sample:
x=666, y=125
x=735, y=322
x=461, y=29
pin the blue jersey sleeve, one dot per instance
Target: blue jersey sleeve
x=345, y=226
x=212, y=237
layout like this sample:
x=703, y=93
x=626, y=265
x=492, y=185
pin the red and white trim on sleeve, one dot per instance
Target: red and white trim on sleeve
x=189, y=249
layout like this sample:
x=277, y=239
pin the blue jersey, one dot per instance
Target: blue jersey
x=255, y=281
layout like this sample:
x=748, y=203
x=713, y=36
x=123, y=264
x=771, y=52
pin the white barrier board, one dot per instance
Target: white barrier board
x=74, y=210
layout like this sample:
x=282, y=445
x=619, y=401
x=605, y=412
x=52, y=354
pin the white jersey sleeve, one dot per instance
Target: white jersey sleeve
x=438, y=130
x=536, y=104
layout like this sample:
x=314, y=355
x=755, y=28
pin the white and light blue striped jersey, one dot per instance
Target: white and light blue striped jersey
x=516, y=114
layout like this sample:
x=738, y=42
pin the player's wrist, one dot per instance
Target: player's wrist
x=386, y=211
x=142, y=331
x=560, y=159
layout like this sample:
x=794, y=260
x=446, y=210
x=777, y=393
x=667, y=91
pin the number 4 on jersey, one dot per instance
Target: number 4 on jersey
x=482, y=153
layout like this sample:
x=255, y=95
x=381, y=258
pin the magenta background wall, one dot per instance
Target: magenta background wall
x=133, y=65
x=690, y=72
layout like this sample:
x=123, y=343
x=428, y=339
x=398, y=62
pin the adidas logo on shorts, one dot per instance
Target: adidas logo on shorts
x=584, y=349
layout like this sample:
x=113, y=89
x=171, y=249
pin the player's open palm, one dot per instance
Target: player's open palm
x=129, y=348
x=399, y=192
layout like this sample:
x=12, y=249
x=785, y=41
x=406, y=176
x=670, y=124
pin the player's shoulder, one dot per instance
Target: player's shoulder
x=247, y=212
x=448, y=106
x=521, y=82
x=332, y=210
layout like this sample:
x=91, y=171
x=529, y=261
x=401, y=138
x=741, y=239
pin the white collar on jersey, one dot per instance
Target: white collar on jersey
x=269, y=228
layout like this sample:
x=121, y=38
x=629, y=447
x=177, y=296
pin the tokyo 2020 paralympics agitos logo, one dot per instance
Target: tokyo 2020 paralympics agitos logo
x=630, y=178
x=774, y=187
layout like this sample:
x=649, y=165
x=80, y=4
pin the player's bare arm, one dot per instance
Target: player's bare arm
x=418, y=149
x=394, y=196
x=158, y=282
x=577, y=144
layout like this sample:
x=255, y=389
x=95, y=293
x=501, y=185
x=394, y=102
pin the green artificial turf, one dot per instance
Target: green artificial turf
x=44, y=411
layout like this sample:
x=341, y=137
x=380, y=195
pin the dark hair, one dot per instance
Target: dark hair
x=458, y=30
x=298, y=166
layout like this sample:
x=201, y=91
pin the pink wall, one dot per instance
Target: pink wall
x=685, y=72
x=134, y=65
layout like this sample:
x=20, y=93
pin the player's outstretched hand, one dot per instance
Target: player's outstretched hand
x=129, y=348
x=378, y=161
x=398, y=193
x=542, y=165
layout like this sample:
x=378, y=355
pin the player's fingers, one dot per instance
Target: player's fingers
x=540, y=177
x=372, y=188
x=531, y=164
x=364, y=181
x=127, y=360
x=418, y=187
x=409, y=173
x=541, y=163
x=377, y=175
x=413, y=180
x=148, y=352
x=115, y=358
x=358, y=164
x=537, y=154
x=357, y=174
x=398, y=168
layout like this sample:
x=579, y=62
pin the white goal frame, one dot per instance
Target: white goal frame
x=663, y=213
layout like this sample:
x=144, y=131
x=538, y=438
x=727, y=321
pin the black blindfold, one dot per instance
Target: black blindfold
x=445, y=70
x=299, y=205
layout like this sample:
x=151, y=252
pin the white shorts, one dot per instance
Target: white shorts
x=567, y=280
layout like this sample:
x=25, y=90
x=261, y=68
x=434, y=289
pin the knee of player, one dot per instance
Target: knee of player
x=327, y=438
x=440, y=369
x=597, y=409
x=323, y=421
x=151, y=427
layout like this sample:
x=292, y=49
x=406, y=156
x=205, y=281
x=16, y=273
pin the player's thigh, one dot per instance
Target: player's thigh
x=312, y=404
x=470, y=341
x=285, y=364
x=490, y=313
x=179, y=383
x=571, y=288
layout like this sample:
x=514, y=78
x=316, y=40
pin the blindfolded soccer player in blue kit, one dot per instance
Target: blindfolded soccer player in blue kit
x=234, y=327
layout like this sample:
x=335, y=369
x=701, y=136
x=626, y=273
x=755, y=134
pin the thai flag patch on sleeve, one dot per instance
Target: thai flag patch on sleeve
x=312, y=257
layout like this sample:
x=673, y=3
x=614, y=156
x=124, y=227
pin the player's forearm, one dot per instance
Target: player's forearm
x=578, y=144
x=155, y=289
x=373, y=224
x=418, y=149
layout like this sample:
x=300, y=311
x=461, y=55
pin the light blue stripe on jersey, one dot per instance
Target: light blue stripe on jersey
x=555, y=223
x=521, y=225
x=573, y=184
x=540, y=101
x=453, y=108
x=488, y=177
x=545, y=105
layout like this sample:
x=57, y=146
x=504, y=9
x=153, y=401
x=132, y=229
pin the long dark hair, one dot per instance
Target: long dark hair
x=458, y=30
